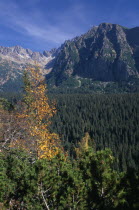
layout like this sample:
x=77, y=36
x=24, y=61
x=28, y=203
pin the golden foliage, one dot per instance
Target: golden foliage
x=84, y=144
x=34, y=117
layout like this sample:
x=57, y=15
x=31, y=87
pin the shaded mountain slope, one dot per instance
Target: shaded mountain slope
x=108, y=53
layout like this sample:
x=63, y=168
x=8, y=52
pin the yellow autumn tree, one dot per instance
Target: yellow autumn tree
x=85, y=143
x=34, y=117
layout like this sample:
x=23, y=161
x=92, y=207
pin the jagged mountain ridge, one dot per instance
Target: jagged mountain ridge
x=13, y=60
x=108, y=52
x=20, y=55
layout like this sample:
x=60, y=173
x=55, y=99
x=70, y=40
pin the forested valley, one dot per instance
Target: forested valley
x=68, y=151
x=111, y=120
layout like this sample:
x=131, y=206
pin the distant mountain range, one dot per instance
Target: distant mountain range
x=13, y=60
x=104, y=58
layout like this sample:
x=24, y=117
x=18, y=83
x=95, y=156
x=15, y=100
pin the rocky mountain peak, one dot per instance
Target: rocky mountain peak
x=24, y=56
x=106, y=53
x=13, y=60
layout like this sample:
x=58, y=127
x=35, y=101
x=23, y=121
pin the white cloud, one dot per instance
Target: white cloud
x=38, y=26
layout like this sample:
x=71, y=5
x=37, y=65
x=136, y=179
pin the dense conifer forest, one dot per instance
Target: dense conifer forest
x=112, y=121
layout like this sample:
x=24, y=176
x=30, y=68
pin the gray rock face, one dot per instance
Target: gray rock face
x=53, y=52
x=13, y=60
x=108, y=52
x=21, y=55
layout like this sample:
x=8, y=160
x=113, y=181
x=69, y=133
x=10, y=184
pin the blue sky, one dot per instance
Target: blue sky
x=44, y=24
